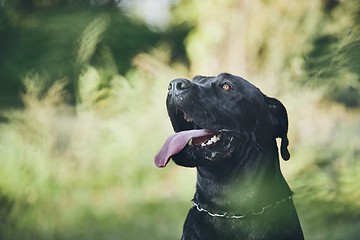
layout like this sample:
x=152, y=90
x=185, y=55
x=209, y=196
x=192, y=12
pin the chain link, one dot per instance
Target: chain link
x=226, y=215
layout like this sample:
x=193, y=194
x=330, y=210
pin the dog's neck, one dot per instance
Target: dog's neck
x=245, y=187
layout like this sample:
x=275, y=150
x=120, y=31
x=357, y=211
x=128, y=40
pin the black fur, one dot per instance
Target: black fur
x=239, y=174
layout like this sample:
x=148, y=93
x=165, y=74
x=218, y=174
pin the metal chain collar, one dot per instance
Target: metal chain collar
x=226, y=215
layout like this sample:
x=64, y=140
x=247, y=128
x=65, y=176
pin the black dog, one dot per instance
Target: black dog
x=226, y=128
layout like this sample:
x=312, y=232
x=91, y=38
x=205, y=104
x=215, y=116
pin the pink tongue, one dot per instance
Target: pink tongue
x=175, y=143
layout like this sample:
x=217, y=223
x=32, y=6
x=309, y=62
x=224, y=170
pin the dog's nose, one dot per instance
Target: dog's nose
x=179, y=85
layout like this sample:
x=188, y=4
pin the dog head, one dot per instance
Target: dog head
x=218, y=117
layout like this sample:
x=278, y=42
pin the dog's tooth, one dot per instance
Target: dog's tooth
x=190, y=142
x=187, y=118
x=215, y=138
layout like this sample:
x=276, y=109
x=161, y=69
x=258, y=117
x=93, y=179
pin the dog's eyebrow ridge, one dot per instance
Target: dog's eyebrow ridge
x=198, y=77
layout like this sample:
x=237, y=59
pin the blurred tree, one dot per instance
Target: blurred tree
x=314, y=43
x=46, y=37
x=333, y=62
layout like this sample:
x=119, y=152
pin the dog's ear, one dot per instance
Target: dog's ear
x=279, y=120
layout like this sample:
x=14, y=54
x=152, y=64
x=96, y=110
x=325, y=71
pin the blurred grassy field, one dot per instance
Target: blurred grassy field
x=90, y=175
x=86, y=171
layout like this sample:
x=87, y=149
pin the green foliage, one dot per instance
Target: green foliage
x=326, y=182
x=66, y=172
x=333, y=62
x=5, y=208
x=56, y=38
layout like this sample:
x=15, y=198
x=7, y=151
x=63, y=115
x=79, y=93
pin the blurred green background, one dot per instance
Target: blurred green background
x=82, y=109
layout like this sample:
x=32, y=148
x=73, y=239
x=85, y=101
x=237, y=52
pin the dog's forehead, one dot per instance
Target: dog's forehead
x=201, y=79
x=239, y=81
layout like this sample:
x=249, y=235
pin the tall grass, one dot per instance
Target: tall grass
x=88, y=172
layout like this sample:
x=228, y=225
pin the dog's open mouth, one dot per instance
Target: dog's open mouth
x=188, y=133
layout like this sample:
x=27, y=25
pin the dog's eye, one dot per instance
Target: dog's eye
x=226, y=86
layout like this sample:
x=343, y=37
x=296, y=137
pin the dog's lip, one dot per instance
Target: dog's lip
x=182, y=116
x=187, y=121
x=183, y=121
